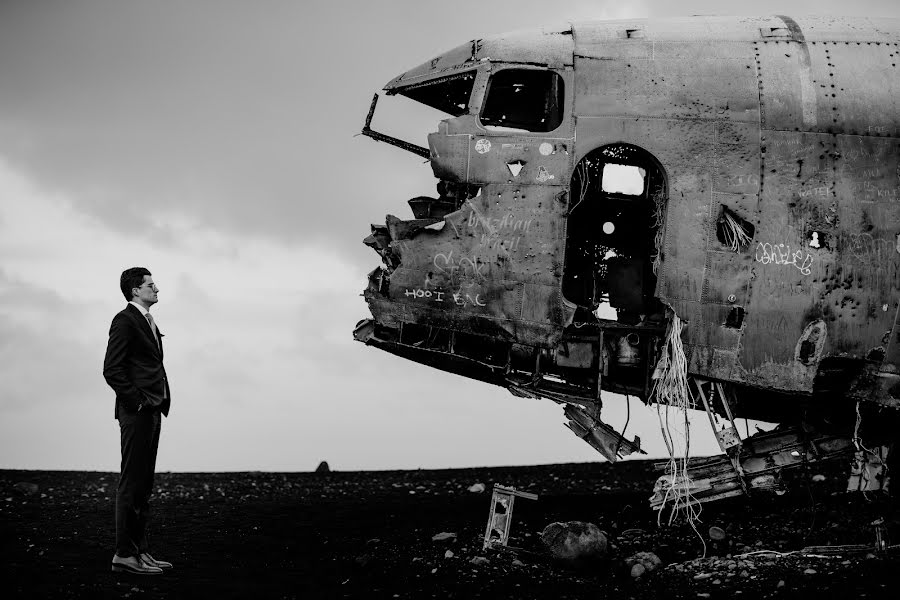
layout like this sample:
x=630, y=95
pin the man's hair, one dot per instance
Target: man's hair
x=132, y=278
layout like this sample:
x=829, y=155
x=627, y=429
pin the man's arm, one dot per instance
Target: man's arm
x=114, y=370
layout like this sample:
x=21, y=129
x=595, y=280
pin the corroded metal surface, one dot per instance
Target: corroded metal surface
x=783, y=129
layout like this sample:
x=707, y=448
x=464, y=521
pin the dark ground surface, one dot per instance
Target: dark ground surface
x=369, y=535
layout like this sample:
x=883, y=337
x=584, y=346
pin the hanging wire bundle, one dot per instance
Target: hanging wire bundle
x=734, y=233
x=659, y=217
x=672, y=395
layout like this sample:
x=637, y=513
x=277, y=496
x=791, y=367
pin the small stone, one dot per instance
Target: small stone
x=700, y=576
x=702, y=595
x=717, y=533
x=443, y=536
x=745, y=573
x=323, y=468
x=476, y=488
x=809, y=572
x=818, y=478
x=637, y=570
x=479, y=560
x=717, y=582
x=780, y=583
x=448, y=554
x=518, y=563
x=29, y=489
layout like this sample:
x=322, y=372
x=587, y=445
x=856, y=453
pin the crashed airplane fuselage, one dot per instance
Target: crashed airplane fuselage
x=599, y=183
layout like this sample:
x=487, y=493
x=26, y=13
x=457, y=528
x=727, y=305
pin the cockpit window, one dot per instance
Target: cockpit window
x=448, y=94
x=526, y=99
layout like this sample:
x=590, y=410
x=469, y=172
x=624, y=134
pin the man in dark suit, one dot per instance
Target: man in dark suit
x=133, y=367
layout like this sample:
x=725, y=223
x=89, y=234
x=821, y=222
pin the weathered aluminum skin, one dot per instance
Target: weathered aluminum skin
x=792, y=124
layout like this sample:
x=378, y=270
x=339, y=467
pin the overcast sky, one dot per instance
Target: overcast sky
x=214, y=142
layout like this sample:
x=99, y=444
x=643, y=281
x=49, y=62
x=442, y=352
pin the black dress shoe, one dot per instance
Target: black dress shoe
x=162, y=564
x=134, y=565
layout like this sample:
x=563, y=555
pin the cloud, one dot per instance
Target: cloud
x=251, y=324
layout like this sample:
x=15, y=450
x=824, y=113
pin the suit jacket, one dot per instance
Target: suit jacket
x=133, y=366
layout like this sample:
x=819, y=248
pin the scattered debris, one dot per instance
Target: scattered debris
x=500, y=517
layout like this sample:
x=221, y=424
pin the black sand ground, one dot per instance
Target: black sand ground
x=369, y=535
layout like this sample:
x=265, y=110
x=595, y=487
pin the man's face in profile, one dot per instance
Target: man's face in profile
x=147, y=293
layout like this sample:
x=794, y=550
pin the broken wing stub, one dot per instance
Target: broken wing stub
x=603, y=438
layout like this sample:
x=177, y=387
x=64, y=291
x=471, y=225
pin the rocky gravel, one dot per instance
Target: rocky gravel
x=418, y=534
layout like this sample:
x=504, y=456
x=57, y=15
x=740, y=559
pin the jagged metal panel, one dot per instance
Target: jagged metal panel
x=493, y=268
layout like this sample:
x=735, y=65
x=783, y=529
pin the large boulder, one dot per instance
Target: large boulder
x=575, y=542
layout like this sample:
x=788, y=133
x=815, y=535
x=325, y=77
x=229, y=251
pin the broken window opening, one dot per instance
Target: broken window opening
x=623, y=179
x=446, y=94
x=735, y=318
x=614, y=231
x=526, y=99
x=732, y=231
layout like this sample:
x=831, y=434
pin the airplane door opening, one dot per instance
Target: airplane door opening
x=613, y=236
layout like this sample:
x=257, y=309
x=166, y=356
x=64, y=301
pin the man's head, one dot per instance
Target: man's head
x=137, y=285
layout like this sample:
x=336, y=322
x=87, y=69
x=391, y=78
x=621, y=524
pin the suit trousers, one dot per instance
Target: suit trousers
x=140, y=439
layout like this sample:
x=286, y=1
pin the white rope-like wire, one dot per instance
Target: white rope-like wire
x=736, y=236
x=671, y=392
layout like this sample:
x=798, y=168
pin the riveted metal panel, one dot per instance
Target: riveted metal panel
x=728, y=278
x=787, y=271
x=788, y=88
x=663, y=88
x=858, y=87
x=849, y=29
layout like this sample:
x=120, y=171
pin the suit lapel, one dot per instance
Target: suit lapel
x=144, y=325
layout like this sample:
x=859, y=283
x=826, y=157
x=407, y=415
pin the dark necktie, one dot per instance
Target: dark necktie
x=153, y=329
